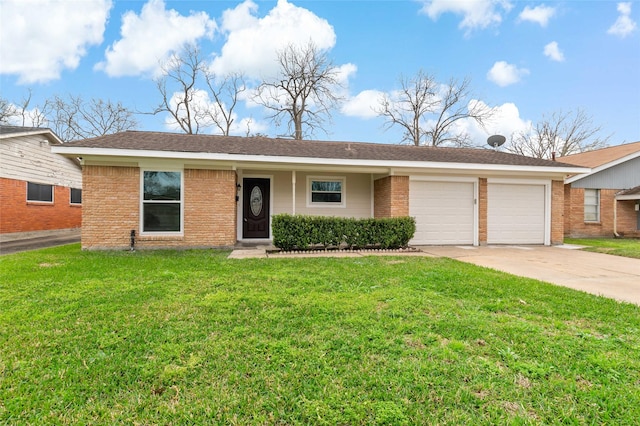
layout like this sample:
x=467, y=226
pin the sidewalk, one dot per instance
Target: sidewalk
x=22, y=241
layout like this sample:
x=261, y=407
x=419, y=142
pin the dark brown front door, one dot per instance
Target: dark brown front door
x=255, y=202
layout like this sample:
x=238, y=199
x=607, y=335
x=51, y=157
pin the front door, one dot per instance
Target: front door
x=255, y=202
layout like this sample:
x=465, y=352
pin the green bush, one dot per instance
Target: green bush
x=299, y=232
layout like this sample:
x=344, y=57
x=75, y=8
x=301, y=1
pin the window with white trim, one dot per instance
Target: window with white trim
x=161, y=201
x=39, y=192
x=326, y=192
x=76, y=196
x=592, y=205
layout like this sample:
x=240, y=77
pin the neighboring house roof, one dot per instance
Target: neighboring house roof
x=16, y=131
x=169, y=145
x=602, y=156
x=601, y=159
x=629, y=194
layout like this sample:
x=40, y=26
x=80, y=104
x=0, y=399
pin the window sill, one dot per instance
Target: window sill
x=160, y=237
x=40, y=203
x=593, y=223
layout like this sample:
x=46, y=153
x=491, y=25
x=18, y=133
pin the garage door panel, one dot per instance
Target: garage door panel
x=444, y=212
x=515, y=214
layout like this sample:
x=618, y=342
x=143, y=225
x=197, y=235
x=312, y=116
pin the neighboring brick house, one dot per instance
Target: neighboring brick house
x=177, y=190
x=39, y=191
x=606, y=201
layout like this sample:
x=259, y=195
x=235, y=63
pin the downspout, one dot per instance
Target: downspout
x=615, y=218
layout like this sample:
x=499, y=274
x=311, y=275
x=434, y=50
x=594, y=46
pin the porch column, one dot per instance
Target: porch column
x=293, y=192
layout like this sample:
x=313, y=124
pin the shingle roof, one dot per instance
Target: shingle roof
x=632, y=191
x=262, y=146
x=6, y=130
x=602, y=156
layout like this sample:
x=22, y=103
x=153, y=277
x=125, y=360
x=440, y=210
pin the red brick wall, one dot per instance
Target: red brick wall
x=19, y=215
x=574, y=215
x=391, y=196
x=112, y=209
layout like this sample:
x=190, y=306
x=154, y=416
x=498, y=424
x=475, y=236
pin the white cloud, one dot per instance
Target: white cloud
x=252, y=42
x=505, y=121
x=539, y=14
x=477, y=14
x=553, y=52
x=505, y=74
x=363, y=104
x=624, y=25
x=149, y=38
x=41, y=38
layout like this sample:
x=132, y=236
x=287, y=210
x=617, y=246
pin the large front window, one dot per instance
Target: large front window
x=591, y=205
x=162, y=201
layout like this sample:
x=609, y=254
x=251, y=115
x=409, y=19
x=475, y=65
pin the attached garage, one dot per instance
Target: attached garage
x=445, y=212
x=516, y=213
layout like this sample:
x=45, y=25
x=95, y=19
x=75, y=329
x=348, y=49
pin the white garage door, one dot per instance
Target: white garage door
x=443, y=212
x=515, y=214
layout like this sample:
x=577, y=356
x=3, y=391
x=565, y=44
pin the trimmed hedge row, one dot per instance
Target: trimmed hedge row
x=299, y=232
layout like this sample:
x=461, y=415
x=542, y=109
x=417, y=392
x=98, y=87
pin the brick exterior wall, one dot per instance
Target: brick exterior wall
x=557, y=212
x=482, y=211
x=391, y=196
x=628, y=219
x=576, y=227
x=112, y=209
x=19, y=215
x=111, y=206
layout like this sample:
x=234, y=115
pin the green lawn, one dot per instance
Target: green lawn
x=194, y=338
x=628, y=247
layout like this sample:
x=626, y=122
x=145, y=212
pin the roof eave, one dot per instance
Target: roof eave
x=71, y=151
x=53, y=138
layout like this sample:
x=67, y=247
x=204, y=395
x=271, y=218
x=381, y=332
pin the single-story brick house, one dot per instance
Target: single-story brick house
x=177, y=190
x=40, y=191
x=606, y=201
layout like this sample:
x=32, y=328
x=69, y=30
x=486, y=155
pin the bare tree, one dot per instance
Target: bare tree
x=194, y=109
x=427, y=110
x=181, y=70
x=304, y=93
x=75, y=118
x=559, y=134
x=226, y=92
x=8, y=112
x=21, y=115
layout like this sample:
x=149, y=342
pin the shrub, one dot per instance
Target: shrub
x=301, y=232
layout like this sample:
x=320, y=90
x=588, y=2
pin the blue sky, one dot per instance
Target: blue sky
x=525, y=59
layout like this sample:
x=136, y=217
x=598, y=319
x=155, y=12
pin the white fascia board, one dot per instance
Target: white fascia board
x=47, y=132
x=284, y=160
x=604, y=167
x=628, y=197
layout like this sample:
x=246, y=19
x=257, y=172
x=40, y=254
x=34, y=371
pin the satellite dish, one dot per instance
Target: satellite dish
x=496, y=140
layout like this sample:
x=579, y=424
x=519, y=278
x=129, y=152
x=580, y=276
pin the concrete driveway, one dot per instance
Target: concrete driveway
x=601, y=274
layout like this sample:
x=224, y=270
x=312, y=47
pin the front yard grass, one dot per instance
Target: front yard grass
x=628, y=247
x=191, y=337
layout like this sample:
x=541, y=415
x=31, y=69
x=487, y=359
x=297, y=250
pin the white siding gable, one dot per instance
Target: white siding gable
x=29, y=158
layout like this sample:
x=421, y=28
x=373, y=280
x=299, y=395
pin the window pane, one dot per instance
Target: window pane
x=591, y=205
x=161, y=217
x=162, y=186
x=326, y=186
x=326, y=197
x=37, y=192
x=76, y=196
